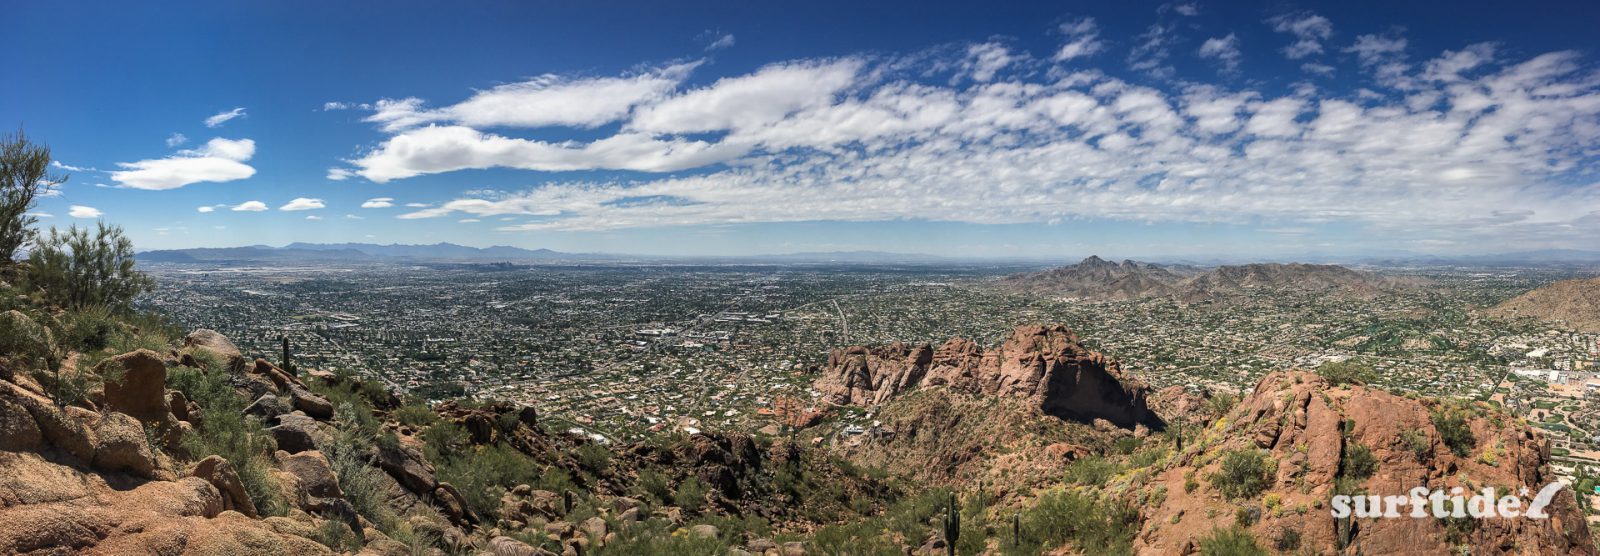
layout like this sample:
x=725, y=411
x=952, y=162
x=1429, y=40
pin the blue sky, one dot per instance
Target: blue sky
x=1038, y=129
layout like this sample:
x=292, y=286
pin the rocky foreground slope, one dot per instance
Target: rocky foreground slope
x=1573, y=303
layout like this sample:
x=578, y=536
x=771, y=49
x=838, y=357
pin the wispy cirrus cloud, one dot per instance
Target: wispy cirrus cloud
x=224, y=117
x=1438, y=150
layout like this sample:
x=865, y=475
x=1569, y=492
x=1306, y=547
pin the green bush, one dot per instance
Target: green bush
x=593, y=457
x=1455, y=429
x=655, y=485
x=1093, y=525
x=1358, y=462
x=1244, y=473
x=79, y=269
x=691, y=494
x=1349, y=371
x=226, y=431
x=416, y=414
x=1091, y=471
x=1232, y=541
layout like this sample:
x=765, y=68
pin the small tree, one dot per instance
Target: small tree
x=79, y=269
x=1349, y=371
x=24, y=176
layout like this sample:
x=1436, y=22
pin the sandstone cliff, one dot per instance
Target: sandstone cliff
x=1044, y=365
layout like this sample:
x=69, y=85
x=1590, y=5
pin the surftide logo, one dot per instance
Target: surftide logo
x=1423, y=503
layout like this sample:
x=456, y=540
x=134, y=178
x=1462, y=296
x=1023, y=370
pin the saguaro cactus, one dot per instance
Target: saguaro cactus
x=1016, y=529
x=952, y=526
x=288, y=365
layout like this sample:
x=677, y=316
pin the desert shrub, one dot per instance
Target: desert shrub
x=336, y=535
x=1093, y=525
x=659, y=538
x=226, y=431
x=24, y=176
x=81, y=269
x=416, y=414
x=1091, y=471
x=1243, y=473
x=1358, y=462
x=1454, y=429
x=1286, y=539
x=1417, y=443
x=1232, y=541
x=362, y=483
x=88, y=328
x=691, y=494
x=593, y=456
x=483, y=473
x=1246, y=516
x=655, y=485
x=1349, y=371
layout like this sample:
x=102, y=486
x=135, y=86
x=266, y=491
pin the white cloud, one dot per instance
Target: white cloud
x=987, y=59
x=354, y=217
x=1083, y=39
x=378, y=203
x=1470, y=139
x=223, y=117
x=754, y=100
x=340, y=174
x=70, y=168
x=40, y=215
x=220, y=160
x=1309, y=31
x=177, y=139
x=250, y=206
x=434, y=149
x=468, y=220
x=303, y=203
x=1150, y=54
x=547, y=100
x=1225, y=50
x=80, y=211
x=1188, y=9
x=313, y=217
x=205, y=209
x=722, y=42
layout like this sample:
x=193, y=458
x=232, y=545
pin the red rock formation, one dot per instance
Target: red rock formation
x=1043, y=364
x=1307, y=427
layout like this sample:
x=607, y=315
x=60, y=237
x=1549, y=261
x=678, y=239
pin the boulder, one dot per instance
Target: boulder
x=268, y=407
x=507, y=546
x=221, y=475
x=271, y=372
x=217, y=344
x=297, y=433
x=706, y=530
x=121, y=445
x=313, y=405
x=595, y=527
x=314, y=474
x=454, y=506
x=407, y=466
x=178, y=405
x=137, y=386
x=18, y=431
x=65, y=428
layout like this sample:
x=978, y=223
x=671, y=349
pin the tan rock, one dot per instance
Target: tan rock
x=121, y=445
x=137, y=386
x=221, y=475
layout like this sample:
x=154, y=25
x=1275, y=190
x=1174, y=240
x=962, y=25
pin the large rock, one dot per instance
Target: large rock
x=408, y=466
x=314, y=473
x=18, y=431
x=269, y=407
x=297, y=433
x=507, y=546
x=137, y=386
x=1045, y=365
x=122, y=446
x=217, y=344
x=221, y=475
x=313, y=405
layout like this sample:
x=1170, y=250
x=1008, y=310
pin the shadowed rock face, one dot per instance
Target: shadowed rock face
x=1043, y=364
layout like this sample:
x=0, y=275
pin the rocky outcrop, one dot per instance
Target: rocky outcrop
x=221, y=475
x=1045, y=365
x=1307, y=428
x=136, y=385
x=1101, y=280
x=123, y=446
x=216, y=344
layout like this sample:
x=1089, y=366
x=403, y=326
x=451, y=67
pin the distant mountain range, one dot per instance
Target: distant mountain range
x=360, y=252
x=1575, y=303
x=1096, y=278
x=450, y=252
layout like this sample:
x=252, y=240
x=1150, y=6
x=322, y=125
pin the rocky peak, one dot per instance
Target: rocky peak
x=1043, y=364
